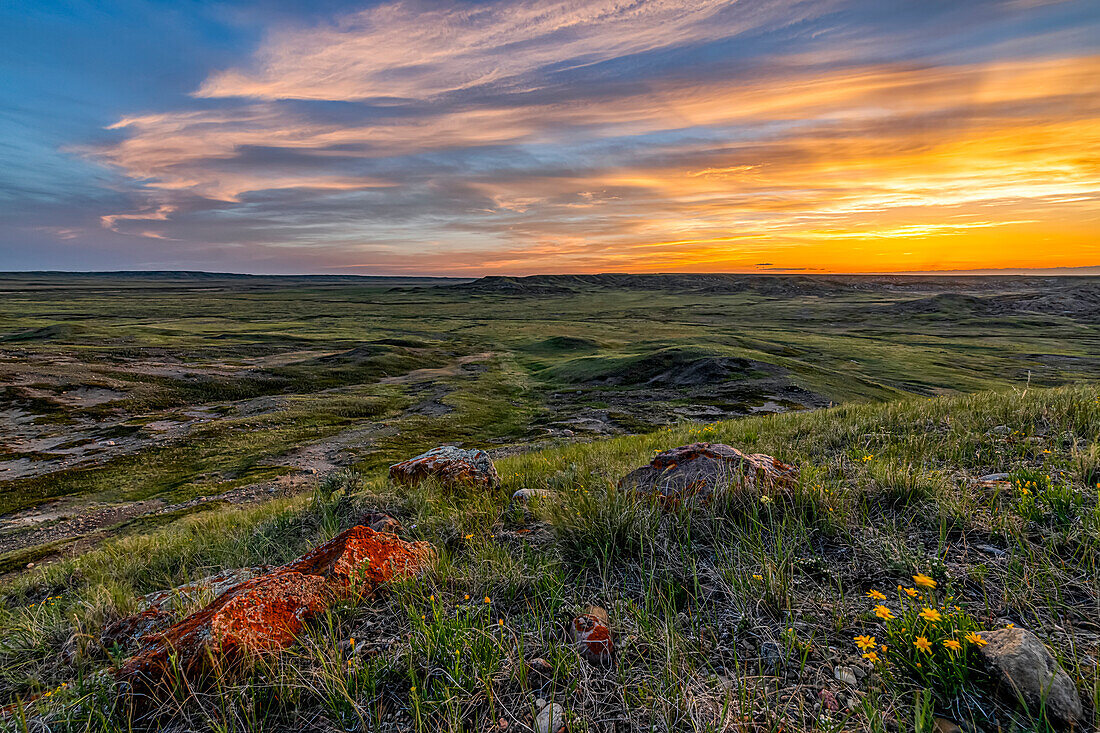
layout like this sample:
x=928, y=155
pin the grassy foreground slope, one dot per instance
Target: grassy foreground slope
x=735, y=616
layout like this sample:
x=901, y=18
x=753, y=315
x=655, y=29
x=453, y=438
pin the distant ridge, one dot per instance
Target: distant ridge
x=780, y=285
x=203, y=275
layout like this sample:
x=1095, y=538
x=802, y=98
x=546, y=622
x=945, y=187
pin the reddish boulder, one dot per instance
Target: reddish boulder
x=700, y=470
x=592, y=637
x=162, y=607
x=449, y=465
x=267, y=612
x=360, y=559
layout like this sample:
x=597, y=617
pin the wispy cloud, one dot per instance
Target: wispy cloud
x=413, y=51
x=650, y=134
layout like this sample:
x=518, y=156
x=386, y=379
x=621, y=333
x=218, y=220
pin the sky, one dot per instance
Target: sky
x=545, y=136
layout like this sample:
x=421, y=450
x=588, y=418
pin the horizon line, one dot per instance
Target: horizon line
x=1079, y=271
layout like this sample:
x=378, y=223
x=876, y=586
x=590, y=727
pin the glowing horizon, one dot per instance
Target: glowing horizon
x=527, y=137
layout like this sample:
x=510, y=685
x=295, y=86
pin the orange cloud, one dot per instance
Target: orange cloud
x=806, y=162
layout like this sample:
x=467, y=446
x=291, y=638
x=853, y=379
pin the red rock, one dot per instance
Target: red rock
x=828, y=700
x=699, y=470
x=592, y=638
x=266, y=613
x=448, y=465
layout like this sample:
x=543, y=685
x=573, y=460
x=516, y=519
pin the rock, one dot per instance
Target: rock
x=994, y=477
x=991, y=550
x=943, y=725
x=846, y=675
x=127, y=632
x=1001, y=430
x=1027, y=670
x=212, y=585
x=265, y=613
x=567, y=433
x=540, y=669
x=599, y=613
x=592, y=637
x=700, y=470
x=380, y=522
x=524, y=496
x=828, y=700
x=551, y=719
x=450, y=465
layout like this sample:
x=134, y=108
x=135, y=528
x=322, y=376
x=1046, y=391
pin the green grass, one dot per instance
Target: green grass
x=728, y=616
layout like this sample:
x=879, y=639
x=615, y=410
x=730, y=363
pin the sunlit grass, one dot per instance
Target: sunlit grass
x=724, y=614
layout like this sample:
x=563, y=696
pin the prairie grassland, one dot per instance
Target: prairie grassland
x=736, y=615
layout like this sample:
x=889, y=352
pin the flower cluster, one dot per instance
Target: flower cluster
x=48, y=602
x=926, y=637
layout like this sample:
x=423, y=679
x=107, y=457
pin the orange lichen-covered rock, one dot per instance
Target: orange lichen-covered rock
x=701, y=470
x=592, y=637
x=258, y=615
x=449, y=465
x=267, y=612
x=360, y=559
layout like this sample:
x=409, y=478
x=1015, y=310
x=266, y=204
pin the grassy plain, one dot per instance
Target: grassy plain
x=160, y=429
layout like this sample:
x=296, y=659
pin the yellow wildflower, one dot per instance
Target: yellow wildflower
x=871, y=657
x=952, y=645
x=924, y=581
x=975, y=639
x=874, y=594
x=487, y=600
x=883, y=612
x=865, y=642
x=930, y=614
x=923, y=644
x=911, y=592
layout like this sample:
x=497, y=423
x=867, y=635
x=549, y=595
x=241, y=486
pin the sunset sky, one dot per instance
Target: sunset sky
x=471, y=138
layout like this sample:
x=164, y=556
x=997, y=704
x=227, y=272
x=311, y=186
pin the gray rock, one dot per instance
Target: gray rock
x=524, y=496
x=551, y=719
x=207, y=588
x=994, y=477
x=943, y=725
x=701, y=470
x=450, y=466
x=1027, y=671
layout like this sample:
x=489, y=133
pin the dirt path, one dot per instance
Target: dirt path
x=423, y=375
